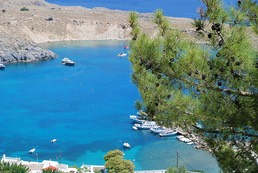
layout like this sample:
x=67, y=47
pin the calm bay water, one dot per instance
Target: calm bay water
x=175, y=8
x=86, y=108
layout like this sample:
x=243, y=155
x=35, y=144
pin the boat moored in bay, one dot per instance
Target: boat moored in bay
x=168, y=133
x=126, y=145
x=2, y=66
x=68, y=62
x=53, y=140
x=32, y=150
x=135, y=128
x=146, y=125
x=158, y=130
x=136, y=119
x=121, y=54
x=186, y=140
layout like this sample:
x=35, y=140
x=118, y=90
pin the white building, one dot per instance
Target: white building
x=92, y=168
x=37, y=167
x=10, y=159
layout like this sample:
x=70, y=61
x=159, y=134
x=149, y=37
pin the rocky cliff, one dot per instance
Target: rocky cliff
x=13, y=50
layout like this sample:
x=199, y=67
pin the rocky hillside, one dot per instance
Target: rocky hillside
x=14, y=50
x=39, y=21
x=25, y=22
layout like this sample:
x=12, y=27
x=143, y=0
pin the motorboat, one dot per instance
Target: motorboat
x=126, y=145
x=180, y=137
x=158, y=130
x=32, y=150
x=53, y=140
x=135, y=128
x=136, y=119
x=190, y=143
x=146, y=125
x=68, y=62
x=186, y=140
x=121, y=54
x=2, y=66
x=168, y=133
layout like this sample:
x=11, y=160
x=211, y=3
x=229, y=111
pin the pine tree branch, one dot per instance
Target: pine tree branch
x=208, y=86
x=227, y=130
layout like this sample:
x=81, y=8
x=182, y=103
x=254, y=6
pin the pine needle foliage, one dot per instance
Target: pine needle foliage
x=250, y=8
x=182, y=83
x=133, y=20
x=6, y=167
x=199, y=24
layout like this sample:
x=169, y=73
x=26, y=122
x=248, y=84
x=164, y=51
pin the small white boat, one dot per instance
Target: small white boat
x=126, y=145
x=135, y=128
x=189, y=143
x=32, y=150
x=158, y=130
x=168, y=133
x=146, y=125
x=2, y=66
x=136, y=119
x=68, y=62
x=53, y=140
x=180, y=137
x=121, y=54
x=186, y=140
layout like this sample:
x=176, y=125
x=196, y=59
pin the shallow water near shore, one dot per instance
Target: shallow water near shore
x=86, y=108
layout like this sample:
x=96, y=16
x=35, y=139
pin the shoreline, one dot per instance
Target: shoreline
x=27, y=23
x=37, y=21
x=44, y=22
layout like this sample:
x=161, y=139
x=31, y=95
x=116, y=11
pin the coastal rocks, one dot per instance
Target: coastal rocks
x=25, y=2
x=13, y=50
x=39, y=3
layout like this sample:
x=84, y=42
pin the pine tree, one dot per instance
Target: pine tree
x=115, y=162
x=216, y=84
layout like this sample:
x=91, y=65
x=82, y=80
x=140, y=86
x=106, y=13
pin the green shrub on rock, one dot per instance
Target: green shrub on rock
x=24, y=9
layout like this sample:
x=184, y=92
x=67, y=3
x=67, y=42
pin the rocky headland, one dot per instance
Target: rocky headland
x=14, y=50
x=25, y=23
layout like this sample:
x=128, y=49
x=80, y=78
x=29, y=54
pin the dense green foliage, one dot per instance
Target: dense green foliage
x=6, y=167
x=24, y=9
x=116, y=164
x=182, y=83
x=176, y=170
x=181, y=170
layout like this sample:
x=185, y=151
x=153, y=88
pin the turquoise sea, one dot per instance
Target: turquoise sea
x=86, y=108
